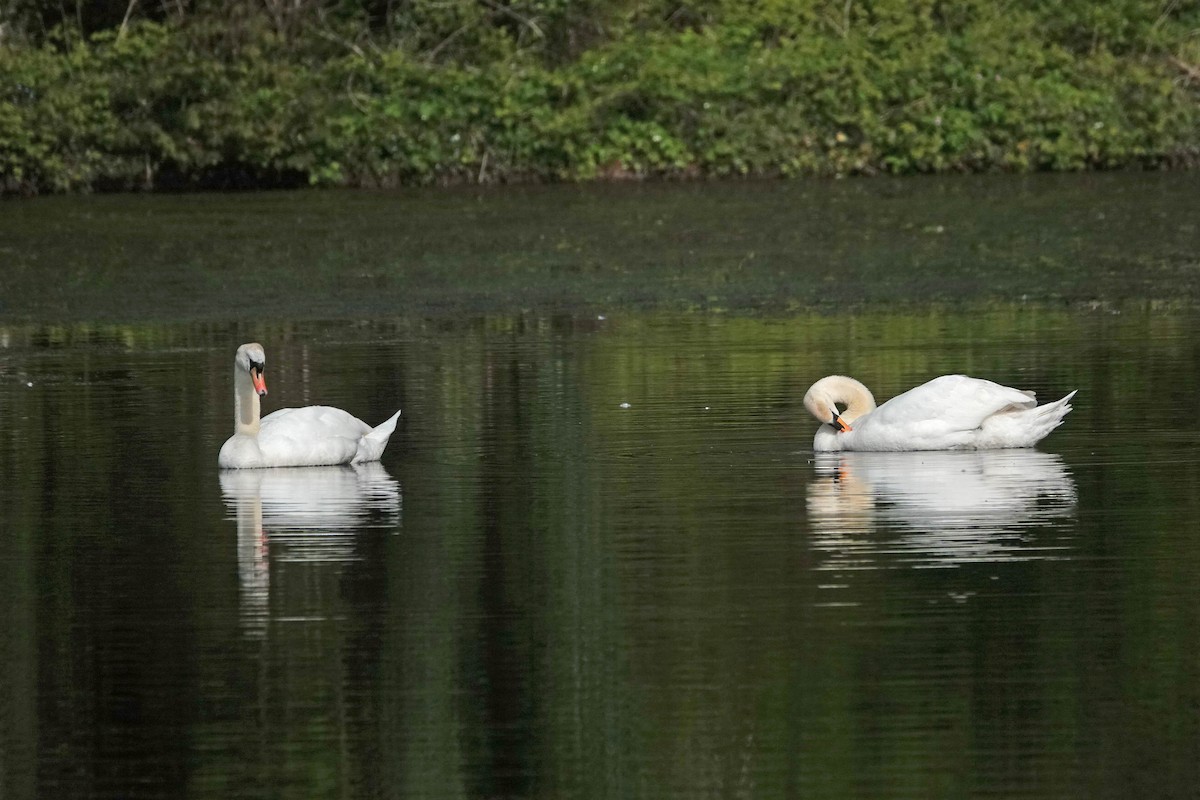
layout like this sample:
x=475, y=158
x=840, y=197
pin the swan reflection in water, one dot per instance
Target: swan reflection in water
x=937, y=509
x=302, y=515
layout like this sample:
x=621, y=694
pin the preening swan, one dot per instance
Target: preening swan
x=292, y=437
x=952, y=412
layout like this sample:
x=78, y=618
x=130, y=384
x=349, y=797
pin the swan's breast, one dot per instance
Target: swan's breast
x=240, y=452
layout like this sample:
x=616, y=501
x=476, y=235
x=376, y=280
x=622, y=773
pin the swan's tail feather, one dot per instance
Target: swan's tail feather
x=373, y=442
x=1023, y=427
x=1050, y=416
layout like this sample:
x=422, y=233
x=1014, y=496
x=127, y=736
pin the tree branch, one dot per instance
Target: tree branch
x=1192, y=71
x=125, y=21
x=508, y=12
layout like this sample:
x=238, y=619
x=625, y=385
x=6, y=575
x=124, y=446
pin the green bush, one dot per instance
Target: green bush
x=549, y=90
x=55, y=119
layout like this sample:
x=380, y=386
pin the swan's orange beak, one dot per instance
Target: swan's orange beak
x=841, y=425
x=260, y=383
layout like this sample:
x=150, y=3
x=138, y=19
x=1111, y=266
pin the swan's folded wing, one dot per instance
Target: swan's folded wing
x=315, y=421
x=950, y=403
x=310, y=436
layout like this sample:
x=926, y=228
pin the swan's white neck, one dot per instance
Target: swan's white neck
x=246, y=409
x=858, y=399
x=825, y=394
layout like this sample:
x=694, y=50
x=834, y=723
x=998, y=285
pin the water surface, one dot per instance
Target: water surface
x=780, y=246
x=599, y=559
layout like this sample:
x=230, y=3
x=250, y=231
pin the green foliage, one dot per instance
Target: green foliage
x=578, y=89
x=54, y=111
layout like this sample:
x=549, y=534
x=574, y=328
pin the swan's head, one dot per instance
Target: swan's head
x=252, y=360
x=838, y=401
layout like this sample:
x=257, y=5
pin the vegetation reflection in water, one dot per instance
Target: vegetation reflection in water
x=581, y=599
x=1101, y=240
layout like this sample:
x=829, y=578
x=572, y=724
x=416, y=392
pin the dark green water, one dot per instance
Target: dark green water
x=544, y=592
x=1067, y=240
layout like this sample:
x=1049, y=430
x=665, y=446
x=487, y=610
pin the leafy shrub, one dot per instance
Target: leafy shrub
x=725, y=89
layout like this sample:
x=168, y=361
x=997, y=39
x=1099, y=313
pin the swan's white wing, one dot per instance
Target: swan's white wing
x=310, y=436
x=950, y=413
x=949, y=403
x=944, y=414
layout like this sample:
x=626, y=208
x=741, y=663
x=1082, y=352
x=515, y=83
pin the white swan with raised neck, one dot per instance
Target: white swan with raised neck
x=309, y=436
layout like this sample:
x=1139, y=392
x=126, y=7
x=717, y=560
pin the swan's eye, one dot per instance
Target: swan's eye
x=257, y=366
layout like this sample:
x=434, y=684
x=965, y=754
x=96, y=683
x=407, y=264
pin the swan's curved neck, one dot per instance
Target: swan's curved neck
x=859, y=402
x=246, y=409
x=839, y=390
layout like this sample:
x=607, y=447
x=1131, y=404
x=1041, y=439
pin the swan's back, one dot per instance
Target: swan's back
x=310, y=436
x=953, y=412
x=953, y=402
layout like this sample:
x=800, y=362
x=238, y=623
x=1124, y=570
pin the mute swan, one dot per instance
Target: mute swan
x=292, y=437
x=952, y=412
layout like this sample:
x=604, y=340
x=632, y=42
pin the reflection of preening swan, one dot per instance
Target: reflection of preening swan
x=951, y=507
x=952, y=412
x=293, y=437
